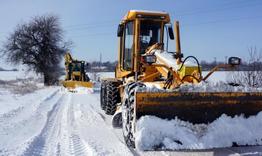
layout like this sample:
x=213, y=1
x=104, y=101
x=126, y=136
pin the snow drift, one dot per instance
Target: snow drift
x=79, y=90
x=155, y=133
x=218, y=86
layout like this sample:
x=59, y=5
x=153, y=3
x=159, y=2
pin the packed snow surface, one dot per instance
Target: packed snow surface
x=39, y=120
x=154, y=133
x=52, y=121
x=22, y=116
x=81, y=90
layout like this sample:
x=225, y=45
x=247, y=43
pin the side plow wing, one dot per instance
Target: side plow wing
x=197, y=107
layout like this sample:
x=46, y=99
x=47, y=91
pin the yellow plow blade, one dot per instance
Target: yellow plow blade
x=74, y=84
x=197, y=107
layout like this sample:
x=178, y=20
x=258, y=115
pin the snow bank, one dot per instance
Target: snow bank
x=83, y=90
x=155, y=133
x=17, y=75
x=216, y=87
x=200, y=87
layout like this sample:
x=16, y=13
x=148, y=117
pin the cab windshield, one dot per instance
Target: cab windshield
x=149, y=34
x=76, y=67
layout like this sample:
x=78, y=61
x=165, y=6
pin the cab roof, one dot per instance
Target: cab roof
x=134, y=14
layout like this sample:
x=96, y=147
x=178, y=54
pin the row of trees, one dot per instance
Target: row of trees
x=244, y=66
x=249, y=73
x=206, y=66
x=253, y=76
x=101, y=66
x=2, y=69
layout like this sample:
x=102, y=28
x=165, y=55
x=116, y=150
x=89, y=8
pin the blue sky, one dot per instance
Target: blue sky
x=209, y=28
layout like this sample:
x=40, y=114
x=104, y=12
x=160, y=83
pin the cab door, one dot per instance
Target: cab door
x=126, y=50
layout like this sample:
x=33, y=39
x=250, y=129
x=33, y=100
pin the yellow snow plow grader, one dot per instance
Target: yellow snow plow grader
x=75, y=74
x=148, y=79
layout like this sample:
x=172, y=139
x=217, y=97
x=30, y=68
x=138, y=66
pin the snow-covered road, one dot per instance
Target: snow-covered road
x=64, y=124
x=51, y=121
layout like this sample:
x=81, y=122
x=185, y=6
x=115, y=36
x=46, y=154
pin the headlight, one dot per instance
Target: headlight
x=234, y=61
x=149, y=59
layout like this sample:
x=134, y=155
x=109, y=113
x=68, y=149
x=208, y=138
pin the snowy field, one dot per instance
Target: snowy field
x=14, y=75
x=38, y=120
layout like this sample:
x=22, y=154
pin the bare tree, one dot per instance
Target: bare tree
x=252, y=77
x=39, y=45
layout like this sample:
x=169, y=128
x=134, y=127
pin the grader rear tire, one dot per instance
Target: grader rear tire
x=103, y=95
x=112, y=97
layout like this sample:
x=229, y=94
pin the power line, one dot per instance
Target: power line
x=202, y=8
x=107, y=24
x=93, y=34
x=198, y=11
x=185, y=25
x=223, y=20
x=221, y=8
x=92, y=27
x=91, y=24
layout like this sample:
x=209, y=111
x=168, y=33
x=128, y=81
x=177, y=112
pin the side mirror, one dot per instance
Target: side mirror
x=170, y=32
x=120, y=30
x=234, y=61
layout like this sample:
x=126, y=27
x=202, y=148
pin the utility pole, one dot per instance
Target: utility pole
x=100, y=61
x=215, y=60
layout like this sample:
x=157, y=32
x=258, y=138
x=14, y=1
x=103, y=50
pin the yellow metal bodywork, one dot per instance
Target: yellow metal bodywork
x=197, y=107
x=74, y=84
x=190, y=106
x=135, y=14
x=188, y=70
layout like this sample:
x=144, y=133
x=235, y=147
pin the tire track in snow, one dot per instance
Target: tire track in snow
x=90, y=145
x=76, y=144
x=108, y=121
x=20, y=110
x=54, y=137
x=77, y=147
x=39, y=144
x=98, y=137
x=26, y=123
x=59, y=135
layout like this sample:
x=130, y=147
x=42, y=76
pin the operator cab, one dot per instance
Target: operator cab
x=137, y=31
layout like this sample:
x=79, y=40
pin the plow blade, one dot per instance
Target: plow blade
x=197, y=107
x=74, y=84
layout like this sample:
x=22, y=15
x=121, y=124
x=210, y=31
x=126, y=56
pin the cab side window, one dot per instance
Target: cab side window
x=128, y=46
